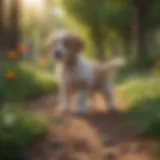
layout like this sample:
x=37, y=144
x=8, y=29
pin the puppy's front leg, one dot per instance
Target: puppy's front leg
x=108, y=90
x=65, y=99
x=81, y=101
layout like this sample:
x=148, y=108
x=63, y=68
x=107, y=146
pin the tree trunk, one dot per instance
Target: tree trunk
x=98, y=44
x=141, y=32
x=99, y=50
x=141, y=8
x=127, y=43
x=1, y=24
x=14, y=28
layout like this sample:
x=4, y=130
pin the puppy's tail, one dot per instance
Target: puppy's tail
x=113, y=65
x=116, y=63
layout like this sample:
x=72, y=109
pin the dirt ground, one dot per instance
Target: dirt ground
x=102, y=135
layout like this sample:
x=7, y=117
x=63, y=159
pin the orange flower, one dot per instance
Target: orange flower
x=43, y=62
x=21, y=48
x=158, y=62
x=156, y=73
x=11, y=55
x=11, y=74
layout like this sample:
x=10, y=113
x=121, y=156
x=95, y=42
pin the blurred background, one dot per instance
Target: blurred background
x=129, y=28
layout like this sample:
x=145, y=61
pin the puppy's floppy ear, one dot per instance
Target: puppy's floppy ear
x=79, y=44
x=49, y=43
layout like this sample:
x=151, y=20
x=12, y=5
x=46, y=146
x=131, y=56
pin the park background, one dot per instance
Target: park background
x=128, y=28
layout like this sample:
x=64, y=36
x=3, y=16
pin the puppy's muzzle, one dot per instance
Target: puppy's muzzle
x=58, y=54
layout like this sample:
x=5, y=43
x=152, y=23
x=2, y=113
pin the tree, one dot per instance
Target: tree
x=14, y=28
x=145, y=18
x=9, y=36
x=153, y=16
x=90, y=14
x=119, y=17
x=141, y=13
x=102, y=18
x=1, y=24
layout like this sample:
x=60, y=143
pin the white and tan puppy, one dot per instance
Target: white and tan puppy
x=78, y=74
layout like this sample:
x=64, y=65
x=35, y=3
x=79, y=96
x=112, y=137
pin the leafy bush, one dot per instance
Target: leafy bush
x=23, y=80
x=142, y=96
x=146, y=63
x=17, y=132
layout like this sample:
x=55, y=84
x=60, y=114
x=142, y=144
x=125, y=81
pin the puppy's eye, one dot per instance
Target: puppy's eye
x=66, y=43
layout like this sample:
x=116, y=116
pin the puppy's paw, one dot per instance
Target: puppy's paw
x=81, y=113
x=61, y=111
x=113, y=109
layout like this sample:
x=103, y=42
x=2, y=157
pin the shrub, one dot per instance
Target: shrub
x=17, y=132
x=147, y=62
x=23, y=80
x=142, y=95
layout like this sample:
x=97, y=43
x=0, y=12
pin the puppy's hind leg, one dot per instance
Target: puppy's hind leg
x=81, y=102
x=65, y=99
x=109, y=95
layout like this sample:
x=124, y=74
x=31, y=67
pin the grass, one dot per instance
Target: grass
x=17, y=132
x=20, y=81
x=28, y=81
x=141, y=95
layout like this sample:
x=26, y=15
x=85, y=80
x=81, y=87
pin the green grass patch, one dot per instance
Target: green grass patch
x=29, y=81
x=18, y=132
x=142, y=97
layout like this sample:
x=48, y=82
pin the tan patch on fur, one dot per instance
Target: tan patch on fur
x=75, y=45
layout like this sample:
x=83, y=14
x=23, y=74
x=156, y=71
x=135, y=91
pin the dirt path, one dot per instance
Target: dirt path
x=100, y=136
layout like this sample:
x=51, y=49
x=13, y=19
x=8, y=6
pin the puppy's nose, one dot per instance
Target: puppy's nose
x=58, y=54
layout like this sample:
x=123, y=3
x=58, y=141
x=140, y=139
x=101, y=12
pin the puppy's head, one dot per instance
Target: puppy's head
x=65, y=45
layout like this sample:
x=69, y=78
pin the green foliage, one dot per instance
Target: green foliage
x=118, y=16
x=146, y=63
x=90, y=15
x=86, y=12
x=17, y=133
x=143, y=96
x=153, y=17
x=29, y=81
x=100, y=19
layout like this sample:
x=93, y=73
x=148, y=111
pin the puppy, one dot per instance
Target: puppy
x=78, y=74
